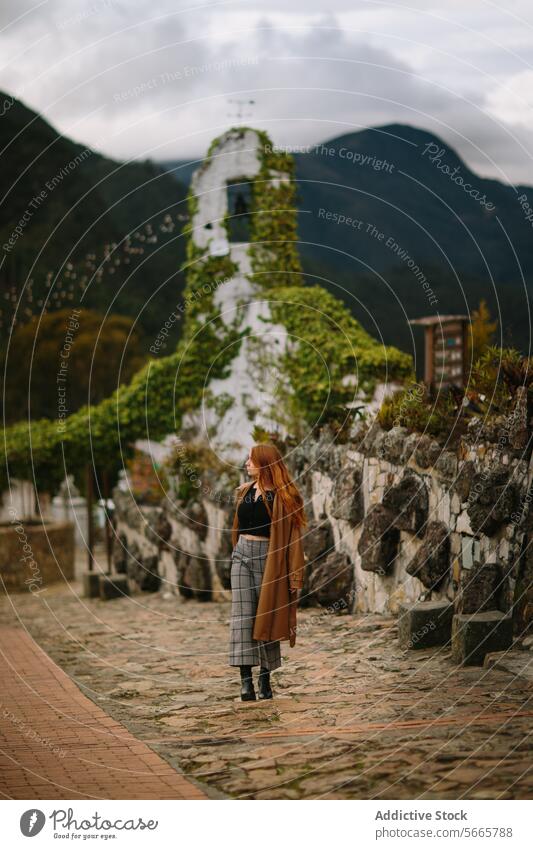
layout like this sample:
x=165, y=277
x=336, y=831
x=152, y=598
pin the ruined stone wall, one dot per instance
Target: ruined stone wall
x=398, y=518
x=393, y=518
x=173, y=549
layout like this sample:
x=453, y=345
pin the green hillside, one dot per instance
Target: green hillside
x=73, y=223
x=153, y=403
x=469, y=236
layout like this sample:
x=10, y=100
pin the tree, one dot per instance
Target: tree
x=77, y=357
x=482, y=331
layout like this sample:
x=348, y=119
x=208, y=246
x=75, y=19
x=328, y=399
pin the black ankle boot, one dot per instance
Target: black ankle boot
x=247, y=684
x=265, y=691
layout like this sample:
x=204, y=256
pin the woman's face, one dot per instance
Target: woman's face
x=251, y=468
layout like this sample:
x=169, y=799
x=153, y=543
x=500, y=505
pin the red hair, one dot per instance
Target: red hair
x=274, y=474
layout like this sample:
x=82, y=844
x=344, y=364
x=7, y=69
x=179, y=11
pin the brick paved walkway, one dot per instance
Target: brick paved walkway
x=57, y=744
x=354, y=716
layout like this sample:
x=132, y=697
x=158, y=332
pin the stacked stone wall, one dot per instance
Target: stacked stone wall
x=394, y=518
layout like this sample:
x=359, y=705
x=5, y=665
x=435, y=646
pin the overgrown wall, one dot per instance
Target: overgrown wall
x=393, y=517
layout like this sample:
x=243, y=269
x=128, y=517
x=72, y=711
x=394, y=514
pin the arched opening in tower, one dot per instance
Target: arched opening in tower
x=239, y=207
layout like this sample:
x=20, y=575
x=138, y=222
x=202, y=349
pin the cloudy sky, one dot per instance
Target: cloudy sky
x=160, y=78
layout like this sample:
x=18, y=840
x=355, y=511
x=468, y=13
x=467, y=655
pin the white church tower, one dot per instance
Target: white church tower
x=233, y=272
x=261, y=353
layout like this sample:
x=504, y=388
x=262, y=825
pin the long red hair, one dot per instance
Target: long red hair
x=274, y=474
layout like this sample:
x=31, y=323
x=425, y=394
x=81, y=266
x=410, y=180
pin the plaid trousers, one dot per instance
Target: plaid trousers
x=247, y=567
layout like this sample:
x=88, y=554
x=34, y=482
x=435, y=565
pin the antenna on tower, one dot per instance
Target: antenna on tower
x=241, y=105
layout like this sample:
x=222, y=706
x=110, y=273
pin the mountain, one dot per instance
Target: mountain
x=261, y=354
x=64, y=203
x=389, y=217
x=417, y=213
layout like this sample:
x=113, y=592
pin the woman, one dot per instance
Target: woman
x=266, y=569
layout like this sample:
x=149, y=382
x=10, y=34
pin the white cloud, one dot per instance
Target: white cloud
x=512, y=102
x=154, y=79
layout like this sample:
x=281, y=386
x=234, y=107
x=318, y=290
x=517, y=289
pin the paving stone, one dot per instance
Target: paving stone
x=515, y=662
x=352, y=713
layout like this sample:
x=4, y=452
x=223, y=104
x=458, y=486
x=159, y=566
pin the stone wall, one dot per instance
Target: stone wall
x=408, y=520
x=33, y=555
x=182, y=550
x=393, y=518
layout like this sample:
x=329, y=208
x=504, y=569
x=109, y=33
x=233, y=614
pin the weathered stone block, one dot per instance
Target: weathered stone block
x=446, y=465
x=378, y=544
x=368, y=437
x=425, y=624
x=91, y=584
x=475, y=635
x=518, y=421
x=317, y=542
x=347, y=498
x=523, y=590
x=493, y=498
x=409, y=446
x=223, y=559
x=431, y=562
x=332, y=581
x=34, y=554
x=127, y=510
x=194, y=576
x=482, y=588
x=142, y=569
x=464, y=478
x=317, y=539
x=113, y=586
x=462, y=525
x=427, y=452
x=148, y=575
x=197, y=519
x=408, y=500
x=377, y=443
x=358, y=431
x=392, y=444
x=120, y=554
x=509, y=431
x=158, y=532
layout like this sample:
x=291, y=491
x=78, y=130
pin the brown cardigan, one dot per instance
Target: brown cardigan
x=275, y=618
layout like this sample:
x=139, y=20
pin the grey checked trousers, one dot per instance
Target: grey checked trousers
x=247, y=566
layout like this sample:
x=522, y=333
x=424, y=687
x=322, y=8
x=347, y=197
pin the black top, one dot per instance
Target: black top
x=253, y=516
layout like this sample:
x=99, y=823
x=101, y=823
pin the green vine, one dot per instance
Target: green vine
x=273, y=249
x=326, y=345
x=329, y=346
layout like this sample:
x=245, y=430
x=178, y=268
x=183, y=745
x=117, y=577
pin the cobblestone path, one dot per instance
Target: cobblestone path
x=354, y=716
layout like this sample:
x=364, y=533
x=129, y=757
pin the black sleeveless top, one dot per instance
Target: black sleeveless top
x=253, y=516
